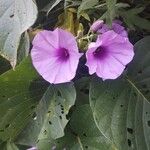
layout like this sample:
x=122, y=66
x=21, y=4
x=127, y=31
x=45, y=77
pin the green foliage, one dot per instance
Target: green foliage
x=11, y=146
x=50, y=115
x=15, y=18
x=17, y=99
x=72, y=3
x=121, y=114
x=139, y=69
x=110, y=10
x=132, y=19
x=20, y=92
x=81, y=133
x=4, y=65
x=87, y=4
x=24, y=47
x=121, y=108
x=51, y=5
x=87, y=114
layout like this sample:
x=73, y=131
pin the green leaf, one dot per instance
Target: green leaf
x=15, y=17
x=121, y=114
x=86, y=4
x=4, y=65
x=82, y=88
x=135, y=11
x=139, y=69
x=72, y=3
x=8, y=146
x=19, y=93
x=110, y=10
x=23, y=49
x=121, y=108
x=50, y=116
x=131, y=18
x=11, y=146
x=51, y=5
x=81, y=133
x=137, y=22
x=122, y=5
x=2, y=145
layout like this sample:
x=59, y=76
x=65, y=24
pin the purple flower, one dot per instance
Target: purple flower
x=109, y=55
x=55, y=55
x=97, y=25
x=116, y=27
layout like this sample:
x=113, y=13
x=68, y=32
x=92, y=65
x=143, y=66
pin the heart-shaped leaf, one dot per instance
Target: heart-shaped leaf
x=50, y=116
x=81, y=134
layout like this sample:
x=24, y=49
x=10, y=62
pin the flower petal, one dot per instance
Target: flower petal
x=66, y=40
x=67, y=70
x=91, y=61
x=109, y=68
x=122, y=52
x=46, y=39
x=104, y=29
x=111, y=37
x=119, y=29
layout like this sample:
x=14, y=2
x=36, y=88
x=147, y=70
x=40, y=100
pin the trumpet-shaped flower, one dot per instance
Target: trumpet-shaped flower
x=108, y=56
x=55, y=55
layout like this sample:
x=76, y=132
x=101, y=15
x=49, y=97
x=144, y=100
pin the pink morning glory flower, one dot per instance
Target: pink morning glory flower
x=97, y=25
x=108, y=56
x=55, y=55
x=116, y=27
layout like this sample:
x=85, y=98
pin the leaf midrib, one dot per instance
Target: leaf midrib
x=136, y=88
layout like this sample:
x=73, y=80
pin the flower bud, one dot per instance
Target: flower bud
x=97, y=25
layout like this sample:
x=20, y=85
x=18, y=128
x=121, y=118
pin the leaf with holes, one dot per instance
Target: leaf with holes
x=20, y=91
x=81, y=133
x=121, y=108
x=121, y=113
x=15, y=17
x=50, y=116
x=82, y=89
